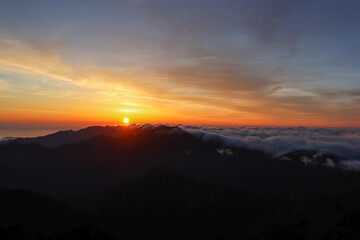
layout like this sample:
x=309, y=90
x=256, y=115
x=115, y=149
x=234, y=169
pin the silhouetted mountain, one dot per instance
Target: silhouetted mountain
x=70, y=137
x=99, y=162
x=162, y=182
x=103, y=162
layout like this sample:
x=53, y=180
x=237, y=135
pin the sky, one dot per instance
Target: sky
x=215, y=62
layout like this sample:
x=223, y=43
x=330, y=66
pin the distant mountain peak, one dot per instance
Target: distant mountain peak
x=65, y=137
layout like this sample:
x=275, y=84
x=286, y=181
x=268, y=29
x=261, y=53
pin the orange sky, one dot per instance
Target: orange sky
x=37, y=87
x=72, y=66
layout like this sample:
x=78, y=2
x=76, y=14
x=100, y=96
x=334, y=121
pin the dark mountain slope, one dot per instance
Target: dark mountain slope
x=37, y=212
x=99, y=162
x=328, y=217
x=168, y=206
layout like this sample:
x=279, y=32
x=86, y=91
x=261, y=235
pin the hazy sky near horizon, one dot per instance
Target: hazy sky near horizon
x=277, y=62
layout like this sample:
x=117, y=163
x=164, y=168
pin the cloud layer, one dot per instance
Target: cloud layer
x=330, y=147
x=344, y=143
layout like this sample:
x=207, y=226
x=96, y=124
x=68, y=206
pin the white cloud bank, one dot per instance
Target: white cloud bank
x=278, y=141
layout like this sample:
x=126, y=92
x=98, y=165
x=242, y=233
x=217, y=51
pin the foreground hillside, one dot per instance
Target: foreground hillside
x=165, y=205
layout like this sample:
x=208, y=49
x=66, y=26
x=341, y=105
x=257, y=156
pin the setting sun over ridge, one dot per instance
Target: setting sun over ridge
x=126, y=120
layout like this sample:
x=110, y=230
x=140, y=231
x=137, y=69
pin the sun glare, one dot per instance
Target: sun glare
x=126, y=120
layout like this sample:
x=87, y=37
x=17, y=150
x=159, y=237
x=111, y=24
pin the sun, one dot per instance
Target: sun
x=126, y=120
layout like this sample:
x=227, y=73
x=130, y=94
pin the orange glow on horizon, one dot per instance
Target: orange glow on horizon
x=48, y=78
x=173, y=118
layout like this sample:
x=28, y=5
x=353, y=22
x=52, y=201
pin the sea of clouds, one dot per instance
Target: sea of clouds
x=344, y=143
x=278, y=141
